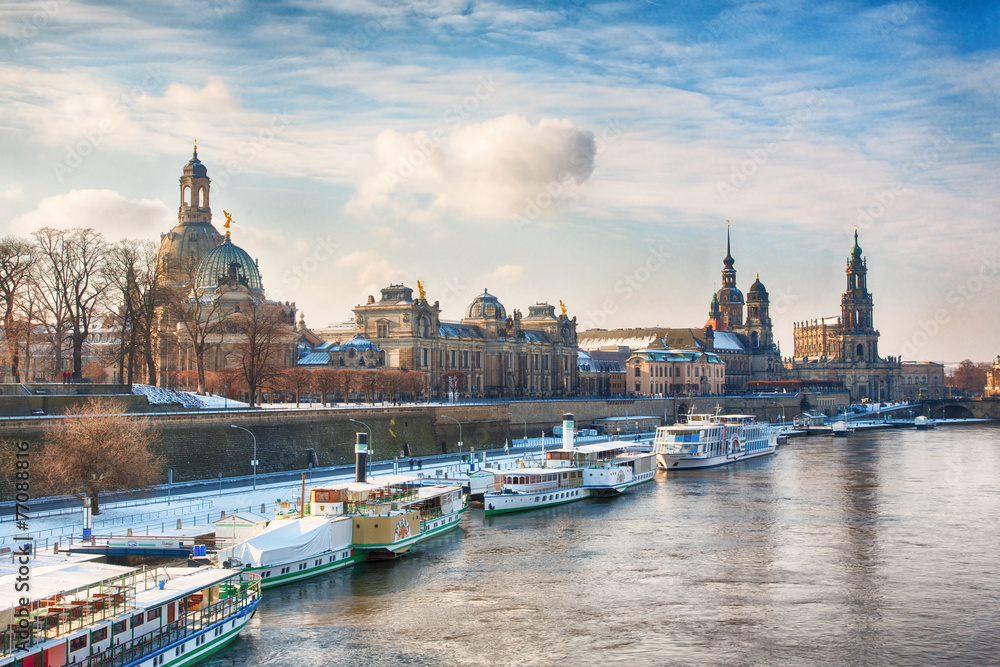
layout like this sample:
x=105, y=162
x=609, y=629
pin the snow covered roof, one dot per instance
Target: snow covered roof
x=726, y=340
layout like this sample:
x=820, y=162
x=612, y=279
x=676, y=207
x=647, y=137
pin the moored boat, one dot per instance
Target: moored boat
x=924, y=423
x=294, y=549
x=706, y=441
x=609, y=468
x=102, y=615
x=532, y=488
x=391, y=514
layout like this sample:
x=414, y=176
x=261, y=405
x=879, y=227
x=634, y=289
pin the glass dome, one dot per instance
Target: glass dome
x=486, y=307
x=228, y=264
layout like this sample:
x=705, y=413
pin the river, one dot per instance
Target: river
x=880, y=548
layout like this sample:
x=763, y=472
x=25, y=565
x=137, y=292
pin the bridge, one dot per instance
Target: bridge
x=961, y=408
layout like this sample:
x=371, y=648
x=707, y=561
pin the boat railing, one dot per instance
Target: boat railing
x=244, y=591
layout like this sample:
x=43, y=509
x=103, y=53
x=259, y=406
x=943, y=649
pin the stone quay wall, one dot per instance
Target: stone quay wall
x=201, y=445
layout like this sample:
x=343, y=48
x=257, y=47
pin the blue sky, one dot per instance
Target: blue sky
x=589, y=152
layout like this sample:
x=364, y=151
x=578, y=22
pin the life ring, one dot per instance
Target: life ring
x=736, y=444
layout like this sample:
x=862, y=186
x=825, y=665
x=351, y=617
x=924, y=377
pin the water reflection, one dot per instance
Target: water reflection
x=879, y=548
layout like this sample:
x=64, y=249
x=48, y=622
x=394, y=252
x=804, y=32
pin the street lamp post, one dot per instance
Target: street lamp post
x=525, y=426
x=459, y=434
x=371, y=443
x=254, y=462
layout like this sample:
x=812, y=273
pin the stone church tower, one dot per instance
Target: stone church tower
x=730, y=297
x=194, y=235
x=860, y=339
x=758, y=326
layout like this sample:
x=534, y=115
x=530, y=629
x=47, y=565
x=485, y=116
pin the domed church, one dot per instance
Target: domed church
x=211, y=279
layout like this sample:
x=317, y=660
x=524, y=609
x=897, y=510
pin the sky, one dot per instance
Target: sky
x=584, y=152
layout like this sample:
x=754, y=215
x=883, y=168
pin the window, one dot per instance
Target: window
x=137, y=620
x=383, y=330
x=153, y=614
x=99, y=635
x=119, y=627
x=77, y=643
x=638, y=374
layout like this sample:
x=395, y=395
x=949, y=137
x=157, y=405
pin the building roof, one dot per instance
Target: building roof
x=727, y=341
x=228, y=263
x=486, y=307
x=453, y=330
x=637, y=339
x=601, y=362
x=315, y=359
x=676, y=356
x=533, y=336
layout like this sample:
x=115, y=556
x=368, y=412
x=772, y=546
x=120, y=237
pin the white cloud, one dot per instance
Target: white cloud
x=372, y=272
x=489, y=169
x=11, y=193
x=505, y=274
x=104, y=210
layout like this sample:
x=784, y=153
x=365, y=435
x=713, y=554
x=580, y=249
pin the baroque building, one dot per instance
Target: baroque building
x=197, y=262
x=844, y=350
x=490, y=352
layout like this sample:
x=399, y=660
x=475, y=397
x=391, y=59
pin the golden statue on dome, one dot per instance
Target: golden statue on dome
x=229, y=221
x=420, y=288
x=562, y=304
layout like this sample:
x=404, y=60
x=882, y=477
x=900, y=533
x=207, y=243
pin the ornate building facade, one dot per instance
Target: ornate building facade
x=845, y=350
x=489, y=352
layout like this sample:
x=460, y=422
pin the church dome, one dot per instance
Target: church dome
x=359, y=343
x=228, y=264
x=195, y=168
x=757, y=288
x=486, y=307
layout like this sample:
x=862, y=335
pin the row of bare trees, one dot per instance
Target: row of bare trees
x=59, y=285
x=64, y=284
x=371, y=385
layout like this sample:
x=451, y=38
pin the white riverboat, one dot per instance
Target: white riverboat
x=706, y=441
x=294, y=549
x=86, y=614
x=390, y=514
x=609, y=468
x=532, y=488
x=924, y=423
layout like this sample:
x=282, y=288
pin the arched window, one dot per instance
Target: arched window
x=861, y=350
x=201, y=197
x=186, y=196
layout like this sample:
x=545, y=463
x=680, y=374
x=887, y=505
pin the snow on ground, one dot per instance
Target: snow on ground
x=161, y=396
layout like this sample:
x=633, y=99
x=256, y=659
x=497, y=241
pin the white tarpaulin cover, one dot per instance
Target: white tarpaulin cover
x=290, y=540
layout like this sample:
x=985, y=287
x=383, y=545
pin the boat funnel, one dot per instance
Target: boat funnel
x=567, y=431
x=360, y=457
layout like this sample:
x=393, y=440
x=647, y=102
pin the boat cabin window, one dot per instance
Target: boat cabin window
x=119, y=627
x=99, y=635
x=77, y=643
x=137, y=620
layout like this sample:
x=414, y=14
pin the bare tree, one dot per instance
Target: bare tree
x=261, y=328
x=298, y=380
x=392, y=383
x=97, y=447
x=203, y=319
x=74, y=261
x=345, y=382
x=369, y=382
x=325, y=381
x=135, y=275
x=17, y=261
x=415, y=382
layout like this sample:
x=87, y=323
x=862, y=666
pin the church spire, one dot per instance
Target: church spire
x=728, y=261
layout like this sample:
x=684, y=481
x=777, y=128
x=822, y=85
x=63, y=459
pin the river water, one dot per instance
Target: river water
x=881, y=548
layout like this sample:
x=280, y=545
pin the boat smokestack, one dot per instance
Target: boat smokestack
x=361, y=457
x=567, y=429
